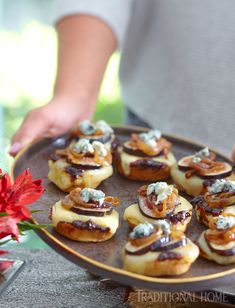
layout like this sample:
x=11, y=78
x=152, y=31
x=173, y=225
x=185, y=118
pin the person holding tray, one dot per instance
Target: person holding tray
x=176, y=67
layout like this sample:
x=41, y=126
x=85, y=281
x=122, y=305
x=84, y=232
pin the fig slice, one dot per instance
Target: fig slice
x=127, y=148
x=91, y=212
x=150, y=213
x=226, y=172
x=162, y=244
x=183, y=163
x=137, y=250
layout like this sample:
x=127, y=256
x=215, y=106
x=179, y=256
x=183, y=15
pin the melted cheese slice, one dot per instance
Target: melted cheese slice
x=127, y=159
x=89, y=178
x=193, y=185
x=211, y=255
x=134, y=216
x=59, y=214
x=137, y=263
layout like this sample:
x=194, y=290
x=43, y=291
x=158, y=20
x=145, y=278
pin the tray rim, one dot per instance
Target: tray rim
x=108, y=268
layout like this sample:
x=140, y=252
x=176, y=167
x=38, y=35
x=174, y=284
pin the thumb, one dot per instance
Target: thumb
x=34, y=126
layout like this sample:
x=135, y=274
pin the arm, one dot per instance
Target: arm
x=85, y=46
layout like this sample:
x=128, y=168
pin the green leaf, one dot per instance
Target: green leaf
x=36, y=211
x=25, y=225
x=4, y=242
x=3, y=214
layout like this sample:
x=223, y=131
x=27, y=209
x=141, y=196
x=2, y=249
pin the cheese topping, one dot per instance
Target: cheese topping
x=100, y=148
x=222, y=186
x=225, y=222
x=86, y=127
x=164, y=225
x=142, y=230
x=161, y=189
x=92, y=194
x=104, y=127
x=83, y=146
x=198, y=156
x=150, y=138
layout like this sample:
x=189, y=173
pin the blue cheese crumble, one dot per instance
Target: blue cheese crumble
x=164, y=225
x=150, y=138
x=198, y=156
x=142, y=230
x=222, y=186
x=99, y=148
x=83, y=146
x=161, y=189
x=225, y=222
x=86, y=127
x=104, y=127
x=92, y=194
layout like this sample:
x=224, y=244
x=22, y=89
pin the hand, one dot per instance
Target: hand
x=51, y=120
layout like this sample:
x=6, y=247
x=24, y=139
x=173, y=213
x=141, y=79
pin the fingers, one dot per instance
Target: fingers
x=35, y=125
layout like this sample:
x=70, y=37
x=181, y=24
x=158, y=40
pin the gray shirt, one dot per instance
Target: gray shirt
x=178, y=62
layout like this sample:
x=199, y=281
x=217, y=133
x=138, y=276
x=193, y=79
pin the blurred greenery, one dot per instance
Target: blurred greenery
x=28, y=65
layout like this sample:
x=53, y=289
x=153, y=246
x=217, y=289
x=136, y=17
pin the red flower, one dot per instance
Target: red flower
x=8, y=226
x=14, y=198
x=3, y=252
x=5, y=264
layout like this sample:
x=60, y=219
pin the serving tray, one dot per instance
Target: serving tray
x=103, y=259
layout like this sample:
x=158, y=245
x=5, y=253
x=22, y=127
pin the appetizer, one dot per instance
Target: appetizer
x=83, y=163
x=157, y=250
x=159, y=201
x=86, y=215
x=100, y=131
x=145, y=157
x=218, y=242
x=218, y=200
x=193, y=172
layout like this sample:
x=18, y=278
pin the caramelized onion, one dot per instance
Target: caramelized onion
x=142, y=241
x=220, y=199
x=204, y=167
x=162, y=145
x=220, y=237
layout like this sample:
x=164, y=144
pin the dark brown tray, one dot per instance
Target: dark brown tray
x=104, y=258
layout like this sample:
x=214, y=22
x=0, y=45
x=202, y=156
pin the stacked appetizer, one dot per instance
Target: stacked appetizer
x=218, y=200
x=84, y=163
x=157, y=250
x=193, y=172
x=159, y=201
x=218, y=242
x=145, y=157
x=100, y=131
x=86, y=215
